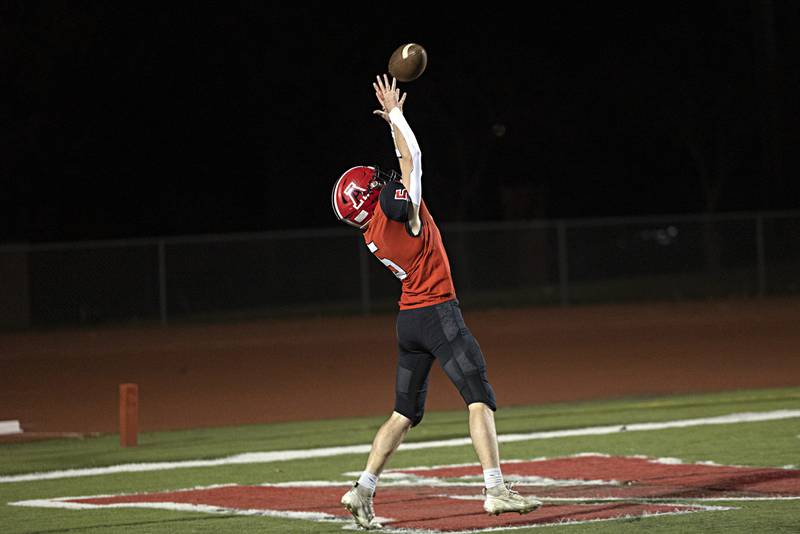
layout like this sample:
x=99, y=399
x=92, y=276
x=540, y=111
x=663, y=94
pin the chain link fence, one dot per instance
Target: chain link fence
x=330, y=270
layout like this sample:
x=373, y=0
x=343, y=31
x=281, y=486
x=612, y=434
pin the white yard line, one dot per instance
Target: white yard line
x=303, y=454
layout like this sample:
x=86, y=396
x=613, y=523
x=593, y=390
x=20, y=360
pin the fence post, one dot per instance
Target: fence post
x=563, y=265
x=762, y=267
x=363, y=267
x=162, y=282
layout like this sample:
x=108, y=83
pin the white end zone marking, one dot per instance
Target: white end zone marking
x=177, y=507
x=639, y=500
x=437, y=482
x=466, y=482
x=303, y=454
x=690, y=505
x=318, y=516
x=667, y=461
x=398, y=472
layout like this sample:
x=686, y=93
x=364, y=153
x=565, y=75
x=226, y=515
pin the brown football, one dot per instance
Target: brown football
x=408, y=62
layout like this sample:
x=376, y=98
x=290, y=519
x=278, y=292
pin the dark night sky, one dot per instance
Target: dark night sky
x=124, y=120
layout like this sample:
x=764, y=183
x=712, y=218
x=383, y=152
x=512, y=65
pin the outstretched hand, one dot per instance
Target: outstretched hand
x=388, y=96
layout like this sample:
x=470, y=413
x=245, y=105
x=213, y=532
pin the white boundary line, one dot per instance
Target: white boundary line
x=303, y=454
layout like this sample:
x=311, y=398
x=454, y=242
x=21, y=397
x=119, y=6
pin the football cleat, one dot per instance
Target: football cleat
x=359, y=504
x=502, y=498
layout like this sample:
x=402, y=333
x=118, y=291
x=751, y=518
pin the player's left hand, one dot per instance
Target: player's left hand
x=388, y=95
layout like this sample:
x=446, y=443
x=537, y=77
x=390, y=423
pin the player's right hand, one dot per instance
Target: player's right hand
x=388, y=96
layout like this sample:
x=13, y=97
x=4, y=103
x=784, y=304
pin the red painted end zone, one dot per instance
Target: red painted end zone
x=436, y=504
x=408, y=507
x=639, y=477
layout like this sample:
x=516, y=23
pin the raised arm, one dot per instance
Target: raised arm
x=406, y=145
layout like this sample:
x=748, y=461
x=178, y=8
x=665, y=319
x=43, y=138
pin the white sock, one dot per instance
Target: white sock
x=368, y=480
x=492, y=477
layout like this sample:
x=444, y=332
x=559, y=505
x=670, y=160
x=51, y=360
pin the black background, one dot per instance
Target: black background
x=130, y=119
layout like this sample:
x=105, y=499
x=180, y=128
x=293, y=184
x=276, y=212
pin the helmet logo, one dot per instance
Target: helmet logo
x=356, y=194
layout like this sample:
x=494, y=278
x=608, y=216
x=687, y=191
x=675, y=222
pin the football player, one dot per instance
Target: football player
x=399, y=230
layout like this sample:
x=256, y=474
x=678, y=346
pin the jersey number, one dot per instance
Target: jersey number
x=396, y=269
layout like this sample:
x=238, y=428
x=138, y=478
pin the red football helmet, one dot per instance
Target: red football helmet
x=356, y=193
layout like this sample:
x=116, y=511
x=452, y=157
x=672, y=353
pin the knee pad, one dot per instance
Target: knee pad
x=413, y=409
x=476, y=388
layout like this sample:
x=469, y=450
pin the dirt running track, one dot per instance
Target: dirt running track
x=276, y=370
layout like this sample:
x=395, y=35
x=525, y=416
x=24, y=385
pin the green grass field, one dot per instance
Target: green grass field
x=773, y=443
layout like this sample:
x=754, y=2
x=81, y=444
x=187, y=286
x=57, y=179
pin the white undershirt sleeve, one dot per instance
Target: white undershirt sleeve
x=415, y=189
x=396, y=150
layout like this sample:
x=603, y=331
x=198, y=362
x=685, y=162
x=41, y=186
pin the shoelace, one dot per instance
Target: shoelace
x=509, y=486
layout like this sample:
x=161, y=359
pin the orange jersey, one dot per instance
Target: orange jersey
x=419, y=262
